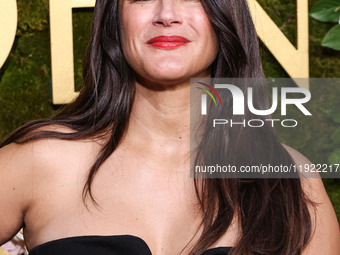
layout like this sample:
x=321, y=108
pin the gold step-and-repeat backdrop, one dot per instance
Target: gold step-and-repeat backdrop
x=294, y=60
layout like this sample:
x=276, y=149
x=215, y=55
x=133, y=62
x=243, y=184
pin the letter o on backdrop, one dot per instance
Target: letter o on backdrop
x=8, y=27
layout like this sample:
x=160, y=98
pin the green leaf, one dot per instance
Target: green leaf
x=334, y=158
x=326, y=11
x=335, y=116
x=332, y=38
x=336, y=137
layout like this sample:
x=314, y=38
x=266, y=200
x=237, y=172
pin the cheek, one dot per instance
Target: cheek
x=212, y=40
x=131, y=30
x=206, y=33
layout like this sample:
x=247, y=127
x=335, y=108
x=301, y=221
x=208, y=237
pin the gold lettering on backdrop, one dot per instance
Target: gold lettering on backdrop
x=294, y=60
x=8, y=27
x=62, y=48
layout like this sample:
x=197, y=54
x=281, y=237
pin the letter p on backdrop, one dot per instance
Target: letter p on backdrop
x=295, y=60
x=8, y=27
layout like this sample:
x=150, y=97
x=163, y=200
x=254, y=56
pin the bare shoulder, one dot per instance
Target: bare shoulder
x=34, y=152
x=297, y=156
x=19, y=161
x=326, y=236
x=34, y=169
x=15, y=190
x=54, y=157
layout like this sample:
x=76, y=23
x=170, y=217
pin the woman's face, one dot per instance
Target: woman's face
x=167, y=40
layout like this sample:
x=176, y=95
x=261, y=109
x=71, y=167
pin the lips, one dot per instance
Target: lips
x=168, y=42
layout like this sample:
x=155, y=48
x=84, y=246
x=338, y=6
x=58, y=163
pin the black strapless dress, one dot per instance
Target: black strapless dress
x=104, y=245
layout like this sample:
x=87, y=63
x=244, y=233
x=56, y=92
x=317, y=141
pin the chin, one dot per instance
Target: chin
x=168, y=79
x=159, y=73
x=177, y=77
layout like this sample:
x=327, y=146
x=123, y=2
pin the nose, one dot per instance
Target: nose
x=167, y=14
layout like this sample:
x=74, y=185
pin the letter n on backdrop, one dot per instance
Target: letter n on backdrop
x=294, y=60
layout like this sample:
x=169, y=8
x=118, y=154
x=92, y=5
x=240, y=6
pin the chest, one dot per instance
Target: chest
x=132, y=200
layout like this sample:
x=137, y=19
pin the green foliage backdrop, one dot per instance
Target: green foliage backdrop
x=25, y=77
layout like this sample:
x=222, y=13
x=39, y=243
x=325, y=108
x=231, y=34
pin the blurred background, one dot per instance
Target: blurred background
x=25, y=78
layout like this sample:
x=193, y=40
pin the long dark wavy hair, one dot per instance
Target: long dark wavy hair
x=272, y=213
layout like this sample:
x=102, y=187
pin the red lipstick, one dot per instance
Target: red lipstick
x=168, y=42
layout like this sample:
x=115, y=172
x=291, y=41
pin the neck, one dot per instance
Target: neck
x=159, y=123
x=161, y=116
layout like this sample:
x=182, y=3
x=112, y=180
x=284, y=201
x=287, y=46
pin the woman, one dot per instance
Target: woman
x=130, y=126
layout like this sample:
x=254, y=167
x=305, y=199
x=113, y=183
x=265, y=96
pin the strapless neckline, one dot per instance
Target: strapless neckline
x=128, y=239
